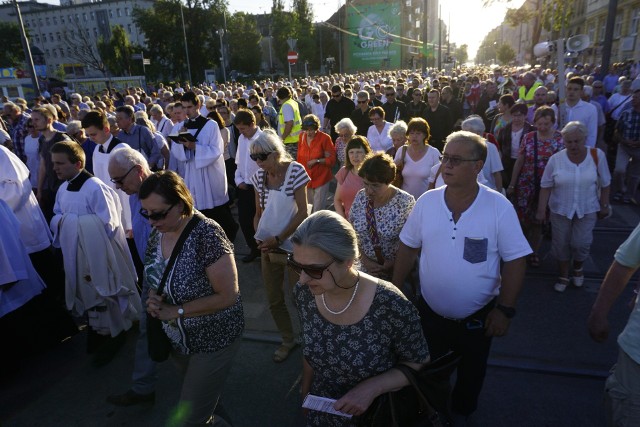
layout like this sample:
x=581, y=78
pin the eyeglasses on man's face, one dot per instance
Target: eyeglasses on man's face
x=454, y=161
x=122, y=178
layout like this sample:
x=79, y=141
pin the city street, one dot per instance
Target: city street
x=546, y=372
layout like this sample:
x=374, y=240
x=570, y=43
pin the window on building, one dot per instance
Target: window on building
x=129, y=28
x=40, y=22
x=591, y=33
x=37, y=39
x=92, y=15
x=44, y=38
x=95, y=33
x=55, y=20
x=55, y=53
x=51, y=37
x=58, y=36
x=26, y=24
x=635, y=22
x=118, y=12
x=46, y=52
x=62, y=20
x=617, y=27
x=110, y=13
x=84, y=17
x=126, y=11
x=47, y=21
x=77, y=17
x=602, y=31
x=73, y=34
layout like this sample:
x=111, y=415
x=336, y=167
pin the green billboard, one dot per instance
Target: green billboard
x=373, y=43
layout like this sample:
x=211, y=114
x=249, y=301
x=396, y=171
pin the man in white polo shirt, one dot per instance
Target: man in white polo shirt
x=463, y=231
x=575, y=109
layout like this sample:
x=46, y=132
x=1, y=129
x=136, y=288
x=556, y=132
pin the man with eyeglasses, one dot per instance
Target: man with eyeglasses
x=463, y=231
x=337, y=109
x=360, y=116
x=100, y=275
x=128, y=170
x=394, y=110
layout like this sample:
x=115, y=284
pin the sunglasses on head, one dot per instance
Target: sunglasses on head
x=313, y=271
x=259, y=156
x=155, y=216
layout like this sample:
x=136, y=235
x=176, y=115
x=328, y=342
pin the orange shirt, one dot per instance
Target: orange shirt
x=321, y=148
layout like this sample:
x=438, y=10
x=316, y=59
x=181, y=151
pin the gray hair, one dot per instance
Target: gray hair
x=575, y=126
x=269, y=142
x=363, y=94
x=329, y=232
x=127, y=157
x=473, y=124
x=74, y=126
x=587, y=91
x=474, y=140
x=398, y=129
x=345, y=123
x=155, y=108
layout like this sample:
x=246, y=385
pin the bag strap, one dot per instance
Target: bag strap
x=370, y=216
x=197, y=217
x=594, y=156
x=619, y=105
x=425, y=405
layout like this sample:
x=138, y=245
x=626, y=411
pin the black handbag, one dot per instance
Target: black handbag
x=157, y=341
x=425, y=402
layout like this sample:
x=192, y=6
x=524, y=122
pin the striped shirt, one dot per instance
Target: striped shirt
x=297, y=178
x=629, y=125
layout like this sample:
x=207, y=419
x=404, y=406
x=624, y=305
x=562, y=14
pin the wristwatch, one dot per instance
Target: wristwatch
x=509, y=312
x=181, y=311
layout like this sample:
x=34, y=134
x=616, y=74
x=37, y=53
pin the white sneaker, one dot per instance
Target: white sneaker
x=561, y=284
x=578, y=281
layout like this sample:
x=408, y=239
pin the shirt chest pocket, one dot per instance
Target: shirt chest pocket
x=475, y=249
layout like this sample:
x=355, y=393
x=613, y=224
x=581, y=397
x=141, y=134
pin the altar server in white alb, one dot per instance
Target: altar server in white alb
x=97, y=128
x=100, y=276
x=204, y=168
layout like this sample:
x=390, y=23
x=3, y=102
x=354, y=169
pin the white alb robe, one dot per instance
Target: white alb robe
x=101, y=171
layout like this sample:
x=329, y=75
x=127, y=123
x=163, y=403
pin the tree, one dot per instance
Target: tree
x=162, y=27
x=304, y=30
x=80, y=47
x=11, y=54
x=282, y=29
x=506, y=54
x=244, y=42
x=462, y=54
x=117, y=51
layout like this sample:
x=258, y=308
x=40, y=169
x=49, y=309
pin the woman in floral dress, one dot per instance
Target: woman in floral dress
x=536, y=149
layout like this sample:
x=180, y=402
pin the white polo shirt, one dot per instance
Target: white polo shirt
x=460, y=261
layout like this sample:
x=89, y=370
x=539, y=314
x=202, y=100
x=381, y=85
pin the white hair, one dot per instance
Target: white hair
x=126, y=158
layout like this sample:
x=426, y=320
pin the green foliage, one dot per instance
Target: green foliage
x=462, y=54
x=515, y=17
x=11, y=54
x=116, y=52
x=59, y=73
x=506, y=54
x=282, y=28
x=244, y=43
x=162, y=27
x=556, y=14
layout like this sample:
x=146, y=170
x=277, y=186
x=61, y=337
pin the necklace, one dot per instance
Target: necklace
x=355, y=291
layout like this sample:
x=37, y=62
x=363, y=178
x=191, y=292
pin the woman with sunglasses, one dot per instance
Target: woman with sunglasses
x=356, y=328
x=318, y=155
x=199, y=306
x=281, y=205
x=378, y=214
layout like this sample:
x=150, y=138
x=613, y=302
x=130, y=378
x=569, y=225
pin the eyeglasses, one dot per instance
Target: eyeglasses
x=336, y=95
x=454, y=161
x=259, y=156
x=155, y=216
x=313, y=271
x=121, y=179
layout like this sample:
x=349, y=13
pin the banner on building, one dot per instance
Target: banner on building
x=373, y=43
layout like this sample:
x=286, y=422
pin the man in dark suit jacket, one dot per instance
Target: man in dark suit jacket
x=394, y=110
x=439, y=119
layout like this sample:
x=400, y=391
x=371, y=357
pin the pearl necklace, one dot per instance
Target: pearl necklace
x=355, y=291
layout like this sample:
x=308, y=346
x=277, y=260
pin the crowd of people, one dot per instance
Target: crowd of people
x=400, y=210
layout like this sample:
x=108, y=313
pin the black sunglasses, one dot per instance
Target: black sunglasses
x=313, y=271
x=155, y=216
x=259, y=156
x=119, y=180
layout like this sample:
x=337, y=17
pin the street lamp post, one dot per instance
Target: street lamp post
x=186, y=48
x=220, y=32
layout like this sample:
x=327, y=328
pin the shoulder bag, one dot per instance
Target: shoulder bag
x=158, y=342
x=399, y=180
x=425, y=402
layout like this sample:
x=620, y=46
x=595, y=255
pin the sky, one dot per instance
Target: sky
x=469, y=21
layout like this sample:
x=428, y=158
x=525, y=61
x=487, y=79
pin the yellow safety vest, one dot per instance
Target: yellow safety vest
x=297, y=122
x=528, y=97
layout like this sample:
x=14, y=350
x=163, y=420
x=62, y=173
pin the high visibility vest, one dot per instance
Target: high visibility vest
x=297, y=122
x=528, y=96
